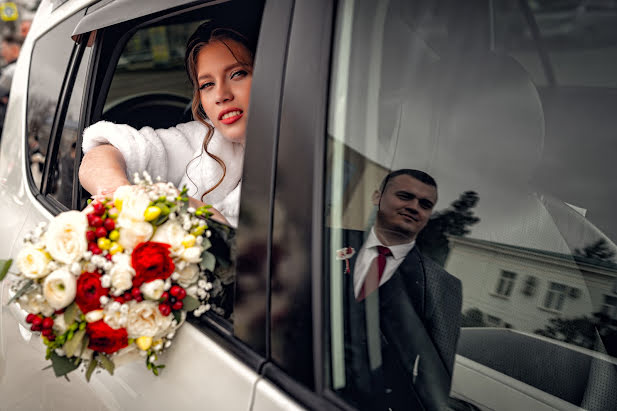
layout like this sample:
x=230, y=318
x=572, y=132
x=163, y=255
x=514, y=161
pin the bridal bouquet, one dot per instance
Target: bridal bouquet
x=114, y=282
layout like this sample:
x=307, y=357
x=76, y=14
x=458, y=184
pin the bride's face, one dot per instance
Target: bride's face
x=225, y=86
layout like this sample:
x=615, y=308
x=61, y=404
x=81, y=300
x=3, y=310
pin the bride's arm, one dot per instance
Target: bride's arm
x=102, y=170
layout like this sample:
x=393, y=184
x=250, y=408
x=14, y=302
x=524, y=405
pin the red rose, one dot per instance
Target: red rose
x=151, y=261
x=89, y=291
x=105, y=339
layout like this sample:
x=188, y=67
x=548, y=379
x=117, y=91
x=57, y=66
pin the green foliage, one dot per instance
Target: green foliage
x=106, y=363
x=190, y=303
x=4, y=268
x=91, y=367
x=23, y=290
x=62, y=365
x=208, y=261
x=74, y=344
x=70, y=314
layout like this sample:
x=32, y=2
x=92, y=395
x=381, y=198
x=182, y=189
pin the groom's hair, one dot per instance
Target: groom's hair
x=417, y=174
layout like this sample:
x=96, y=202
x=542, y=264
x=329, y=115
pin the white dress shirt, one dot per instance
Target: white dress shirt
x=369, y=251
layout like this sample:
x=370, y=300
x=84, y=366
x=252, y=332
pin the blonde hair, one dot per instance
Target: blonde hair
x=201, y=38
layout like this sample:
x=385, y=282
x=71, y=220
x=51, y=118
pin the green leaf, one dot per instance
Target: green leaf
x=70, y=314
x=23, y=290
x=190, y=303
x=84, y=344
x=4, y=267
x=206, y=243
x=91, y=368
x=177, y=315
x=61, y=365
x=208, y=261
x=106, y=363
x=72, y=345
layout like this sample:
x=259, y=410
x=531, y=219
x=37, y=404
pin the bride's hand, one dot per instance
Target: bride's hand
x=216, y=214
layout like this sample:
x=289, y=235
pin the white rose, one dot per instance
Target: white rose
x=121, y=277
x=66, y=236
x=34, y=303
x=188, y=275
x=59, y=288
x=170, y=233
x=94, y=315
x=32, y=262
x=133, y=232
x=133, y=202
x=153, y=290
x=115, y=319
x=191, y=255
x=145, y=320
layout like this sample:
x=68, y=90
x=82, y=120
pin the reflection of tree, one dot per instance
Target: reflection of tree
x=473, y=317
x=454, y=220
x=598, y=250
x=582, y=331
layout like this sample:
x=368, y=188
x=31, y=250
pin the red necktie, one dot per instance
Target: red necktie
x=375, y=272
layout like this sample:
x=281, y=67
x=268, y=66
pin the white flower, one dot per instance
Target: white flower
x=133, y=202
x=106, y=281
x=188, y=275
x=121, y=277
x=59, y=325
x=29, y=303
x=170, y=233
x=133, y=232
x=153, y=290
x=191, y=255
x=146, y=320
x=59, y=288
x=94, y=315
x=75, y=269
x=115, y=318
x=32, y=262
x=65, y=239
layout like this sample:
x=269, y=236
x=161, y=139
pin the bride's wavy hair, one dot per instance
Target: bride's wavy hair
x=205, y=34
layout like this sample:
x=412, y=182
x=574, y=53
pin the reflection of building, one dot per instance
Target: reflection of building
x=523, y=288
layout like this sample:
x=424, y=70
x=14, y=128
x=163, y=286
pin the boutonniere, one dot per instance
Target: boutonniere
x=345, y=254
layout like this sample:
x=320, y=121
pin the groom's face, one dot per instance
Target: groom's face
x=405, y=206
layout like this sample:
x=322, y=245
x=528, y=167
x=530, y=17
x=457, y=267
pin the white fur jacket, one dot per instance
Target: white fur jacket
x=176, y=154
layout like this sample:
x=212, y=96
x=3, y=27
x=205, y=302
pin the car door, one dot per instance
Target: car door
x=216, y=363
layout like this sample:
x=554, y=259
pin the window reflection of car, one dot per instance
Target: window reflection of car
x=587, y=21
x=494, y=364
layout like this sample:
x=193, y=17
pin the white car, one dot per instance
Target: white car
x=520, y=141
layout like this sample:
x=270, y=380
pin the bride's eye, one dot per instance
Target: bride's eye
x=206, y=85
x=239, y=74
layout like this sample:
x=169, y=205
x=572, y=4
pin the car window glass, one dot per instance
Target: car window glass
x=50, y=58
x=150, y=85
x=64, y=167
x=570, y=31
x=523, y=218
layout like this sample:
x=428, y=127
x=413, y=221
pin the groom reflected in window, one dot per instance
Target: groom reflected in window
x=402, y=310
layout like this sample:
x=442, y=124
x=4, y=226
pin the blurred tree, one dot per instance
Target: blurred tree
x=583, y=331
x=473, y=317
x=598, y=250
x=455, y=220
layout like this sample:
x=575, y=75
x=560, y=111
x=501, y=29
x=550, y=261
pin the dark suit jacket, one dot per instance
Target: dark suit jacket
x=419, y=320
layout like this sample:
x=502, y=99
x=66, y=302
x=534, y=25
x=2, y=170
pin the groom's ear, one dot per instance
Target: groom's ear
x=376, y=197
